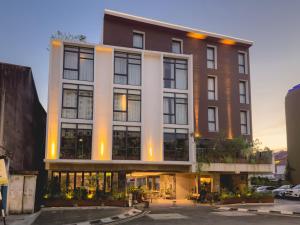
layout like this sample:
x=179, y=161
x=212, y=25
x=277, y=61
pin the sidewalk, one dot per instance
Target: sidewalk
x=280, y=206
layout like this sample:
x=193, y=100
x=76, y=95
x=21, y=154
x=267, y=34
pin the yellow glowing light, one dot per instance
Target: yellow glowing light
x=277, y=161
x=227, y=42
x=56, y=43
x=52, y=150
x=90, y=196
x=101, y=149
x=197, y=134
x=150, y=152
x=196, y=35
x=123, y=103
x=103, y=49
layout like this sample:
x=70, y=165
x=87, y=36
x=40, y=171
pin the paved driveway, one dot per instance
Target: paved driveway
x=198, y=215
x=66, y=216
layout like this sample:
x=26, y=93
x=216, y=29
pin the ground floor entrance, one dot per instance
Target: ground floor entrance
x=155, y=185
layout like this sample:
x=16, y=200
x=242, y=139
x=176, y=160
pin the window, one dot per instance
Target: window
x=175, y=73
x=127, y=105
x=242, y=62
x=212, y=88
x=127, y=68
x=176, y=46
x=175, y=108
x=211, y=57
x=243, y=92
x=78, y=63
x=126, y=143
x=244, y=122
x=176, y=144
x=76, y=141
x=138, y=40
x=77, y=102
x=212, y=119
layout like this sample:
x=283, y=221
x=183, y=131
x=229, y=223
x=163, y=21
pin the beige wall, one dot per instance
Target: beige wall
x=151, y=104
x=184, y=185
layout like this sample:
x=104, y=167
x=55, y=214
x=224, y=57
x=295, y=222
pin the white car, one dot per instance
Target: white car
x=279, y=192
x=265, y=189
x=293, y=192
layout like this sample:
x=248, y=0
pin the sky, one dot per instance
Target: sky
x=273, y=25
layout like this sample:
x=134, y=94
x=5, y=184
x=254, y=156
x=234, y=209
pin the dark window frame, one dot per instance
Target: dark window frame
x=244, y=96
x=175, y=150
x=180, y=42
x=214, y=122
x=213, y=61
x=214, y=88
x=243, y=66
x=244, y=125
x=77, y=141
x=126, y=157
x=127, y=66
x=175, y=98
x=140, y=34
x=78, y=51
x=77, y=103
x=174, y=62
x=127, y=100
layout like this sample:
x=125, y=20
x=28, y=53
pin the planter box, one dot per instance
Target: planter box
x=88, y=202
x=247, y=200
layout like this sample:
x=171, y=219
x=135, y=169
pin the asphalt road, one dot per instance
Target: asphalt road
x=208, y=216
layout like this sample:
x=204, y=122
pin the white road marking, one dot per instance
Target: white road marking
x=233, y=213
x=167, y=216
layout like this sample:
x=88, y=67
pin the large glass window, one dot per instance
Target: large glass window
x=77, y=101
x=138, y=40
x=244, y=122
x=127, y=68
x=76, y=141
x=78, y=63
x=177, y=46
x=126, y=143
x=243, y=92
x=211, y=87
x=242, y=62
x=212, y=119
x=211, y=57
x=175, y=73
x=127, y=105
x=176, y=144
x=175, y=108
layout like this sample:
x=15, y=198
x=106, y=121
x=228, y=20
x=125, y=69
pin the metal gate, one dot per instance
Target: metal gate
x=21, y=194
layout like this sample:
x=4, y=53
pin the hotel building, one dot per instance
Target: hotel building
x=128, y=110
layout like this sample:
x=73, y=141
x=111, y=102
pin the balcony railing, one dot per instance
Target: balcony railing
x=210, y=155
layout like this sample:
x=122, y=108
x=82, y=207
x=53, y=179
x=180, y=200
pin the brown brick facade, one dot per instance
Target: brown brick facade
x=118, y=31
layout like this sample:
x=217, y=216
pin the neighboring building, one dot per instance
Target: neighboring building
x=128, y=110
x=292, y=111
x=22, y=129
x=280, y=159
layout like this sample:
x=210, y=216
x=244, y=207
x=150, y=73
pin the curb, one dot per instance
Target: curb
x=131, y=214
x=262, y=211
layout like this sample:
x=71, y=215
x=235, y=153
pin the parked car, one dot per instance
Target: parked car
x=265, y=189
x=280, y=192
x=293, y=192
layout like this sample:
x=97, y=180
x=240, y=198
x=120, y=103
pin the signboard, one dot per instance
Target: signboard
x=3, y=173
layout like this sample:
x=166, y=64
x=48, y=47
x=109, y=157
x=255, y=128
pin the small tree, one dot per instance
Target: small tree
x=67, y=36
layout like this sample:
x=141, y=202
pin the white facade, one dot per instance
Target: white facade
x=152, y=114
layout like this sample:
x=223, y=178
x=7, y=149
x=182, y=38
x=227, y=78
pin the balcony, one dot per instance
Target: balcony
x=212, y=160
